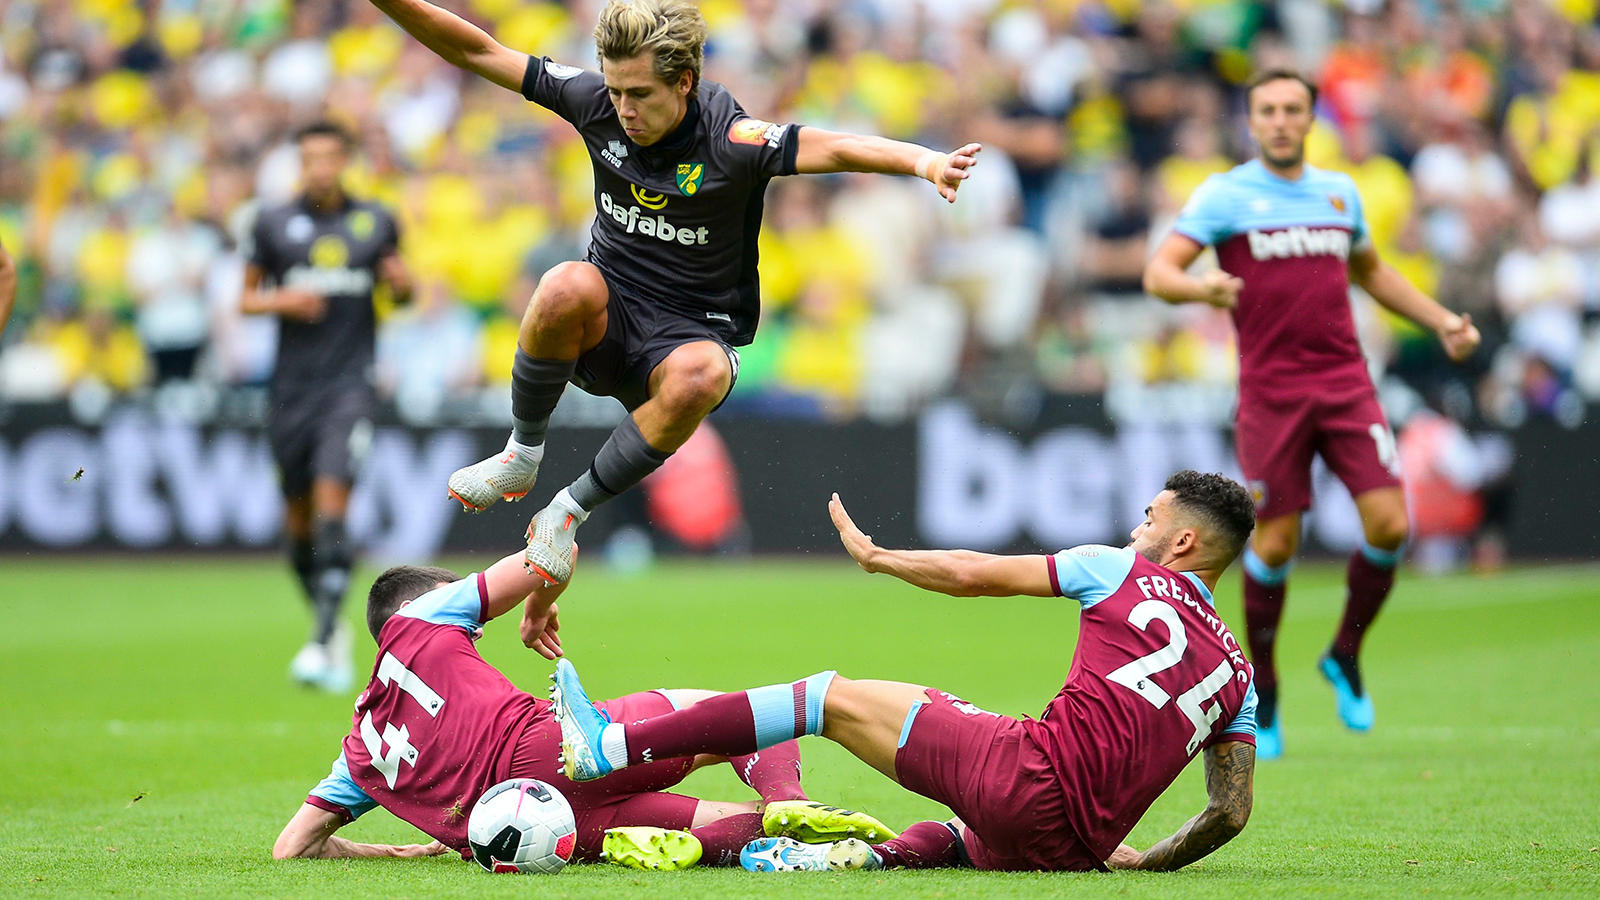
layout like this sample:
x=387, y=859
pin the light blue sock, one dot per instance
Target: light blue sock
x=783, y=712
x=1261, y=573
x=1383, y=559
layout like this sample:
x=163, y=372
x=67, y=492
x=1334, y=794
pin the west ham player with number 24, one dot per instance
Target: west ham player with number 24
x=1290, y=239
x=437, y=726
x=1156, y=679
x=670, y=286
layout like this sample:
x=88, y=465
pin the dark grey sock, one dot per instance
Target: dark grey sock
x=303, y=559
x=536, y=386
x=334, y=557
x=623, y=462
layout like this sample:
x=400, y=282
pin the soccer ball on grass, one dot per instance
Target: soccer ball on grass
x=522, y=825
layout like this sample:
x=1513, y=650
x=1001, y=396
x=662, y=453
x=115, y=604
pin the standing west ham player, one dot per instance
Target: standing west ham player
x=1156, y=679
x=670, y=287
x=1290, y=239
x=313, y=263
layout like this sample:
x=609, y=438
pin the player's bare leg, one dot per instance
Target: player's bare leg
x=683, y=389
x=1266, y=567
x=1369, y=579
x=565, y=317
x=866, y=718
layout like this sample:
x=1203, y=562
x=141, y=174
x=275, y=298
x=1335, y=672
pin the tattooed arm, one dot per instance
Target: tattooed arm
x=1230, y=773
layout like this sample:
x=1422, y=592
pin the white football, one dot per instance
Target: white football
x=522, y=825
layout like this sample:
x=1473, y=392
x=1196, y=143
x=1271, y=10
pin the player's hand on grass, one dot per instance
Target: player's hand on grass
x=432, y=848
x=947, y=170
x=861, y=548
x=1221, y=289
x=1124, y=857
x=301, y=305
x=1459, y=336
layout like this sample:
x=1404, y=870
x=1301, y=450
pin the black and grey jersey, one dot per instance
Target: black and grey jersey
x=677, y=221
x=335, y=253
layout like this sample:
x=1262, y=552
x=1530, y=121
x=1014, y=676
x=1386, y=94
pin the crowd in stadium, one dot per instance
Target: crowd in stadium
x=139, y=138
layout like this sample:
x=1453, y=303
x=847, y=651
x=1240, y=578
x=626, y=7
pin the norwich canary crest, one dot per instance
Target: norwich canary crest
x=689, y=175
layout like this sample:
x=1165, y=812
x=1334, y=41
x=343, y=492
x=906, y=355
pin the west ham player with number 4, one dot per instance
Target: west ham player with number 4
x=670, y=287
x=1290, y=239
x=1156, y=679
x=437, y=726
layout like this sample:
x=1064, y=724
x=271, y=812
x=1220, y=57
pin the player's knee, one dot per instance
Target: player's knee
x=568, y=293
x=696, y=380
x=1389, y=531
x=1274, y=549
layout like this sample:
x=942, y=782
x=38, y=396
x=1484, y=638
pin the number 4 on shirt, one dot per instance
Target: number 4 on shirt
x=398, y=739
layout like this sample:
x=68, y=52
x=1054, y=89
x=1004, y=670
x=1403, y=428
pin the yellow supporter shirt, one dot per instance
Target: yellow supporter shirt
x=1180, y=176
x=368, y=52
x=1386, y=196
x=118, y=360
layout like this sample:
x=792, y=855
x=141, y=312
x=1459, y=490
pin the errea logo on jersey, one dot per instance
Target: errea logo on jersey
x=631, y=219
x=614, y=153
x=1299, y=241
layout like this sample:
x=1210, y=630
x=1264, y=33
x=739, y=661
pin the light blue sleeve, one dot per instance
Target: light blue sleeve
x=341, y=790
x=464, y=603
x=1090, y=573
x=1245, y=721
x=1360, y=235
x=1208, y=216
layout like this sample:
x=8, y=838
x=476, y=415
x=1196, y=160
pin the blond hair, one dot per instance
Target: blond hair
x=672, y=31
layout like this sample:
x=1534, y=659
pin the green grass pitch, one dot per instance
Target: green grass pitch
x=151, y=745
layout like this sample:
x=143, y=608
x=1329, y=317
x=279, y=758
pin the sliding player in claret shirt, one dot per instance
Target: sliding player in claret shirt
x=437, y=726
x=670, y=286
x=1290, y=239
x=1156, y=679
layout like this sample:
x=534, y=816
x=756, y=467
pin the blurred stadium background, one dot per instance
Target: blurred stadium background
x=988, y=374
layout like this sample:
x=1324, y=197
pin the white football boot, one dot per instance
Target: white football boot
x=551, y=537
x=508, y=475
x=309, y=665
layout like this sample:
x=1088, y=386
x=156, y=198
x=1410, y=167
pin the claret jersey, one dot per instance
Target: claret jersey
x=677, y=221
x=1156, y=678
x=1290, y=242
x=436, y=725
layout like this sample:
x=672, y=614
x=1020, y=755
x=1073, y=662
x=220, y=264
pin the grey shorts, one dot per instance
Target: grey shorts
x=322, y=432
x=640, y=333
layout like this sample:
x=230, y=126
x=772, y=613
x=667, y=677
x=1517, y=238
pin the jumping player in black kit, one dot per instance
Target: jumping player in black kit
x=313, y=263
x=669, y=287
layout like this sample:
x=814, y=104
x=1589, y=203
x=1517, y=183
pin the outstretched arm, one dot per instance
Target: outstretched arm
x=959, y=573
x=821, y=152
x=1230, y=774
x=457, y=41
x=310, y=835
x=509, y=583
x=1387, y=286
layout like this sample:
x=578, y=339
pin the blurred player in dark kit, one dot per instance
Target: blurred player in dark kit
x=313, y=263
